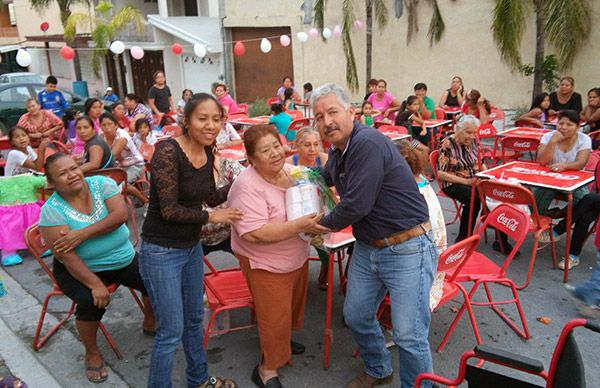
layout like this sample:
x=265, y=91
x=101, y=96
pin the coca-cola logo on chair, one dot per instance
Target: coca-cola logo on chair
x=508, y=194
x=456, y=256
x=510, y=223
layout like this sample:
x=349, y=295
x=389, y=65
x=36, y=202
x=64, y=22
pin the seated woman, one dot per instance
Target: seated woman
x=567, y=148
x=384, y=102
x=84, y=224
x=539, y=112
x=477, y=106
x=225, y=99
x=97, y=154
x=309, y=152
x=591, y=112
x=565, y=98
x=454, y=96
x=272, y=254
x=38, y=122
x=118, y=111
x=136, y=110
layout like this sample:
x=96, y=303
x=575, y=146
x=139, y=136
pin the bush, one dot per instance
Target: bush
x=259, y=108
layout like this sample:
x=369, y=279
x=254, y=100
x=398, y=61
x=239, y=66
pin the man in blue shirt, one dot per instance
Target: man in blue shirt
x=52, y=99
x=110, y=96
x=393, y=253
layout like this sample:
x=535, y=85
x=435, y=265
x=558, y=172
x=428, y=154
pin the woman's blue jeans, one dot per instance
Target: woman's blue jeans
x=406, y=271
x=174, y=279
x=589, y=291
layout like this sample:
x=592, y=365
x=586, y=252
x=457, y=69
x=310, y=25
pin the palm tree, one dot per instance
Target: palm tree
x=65, y=11
x=378, y=9
x=104, y=28
x=565, y=24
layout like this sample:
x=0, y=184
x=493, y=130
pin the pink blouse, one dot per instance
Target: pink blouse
x=226, y=100
x=381, y=105
x=262, y=203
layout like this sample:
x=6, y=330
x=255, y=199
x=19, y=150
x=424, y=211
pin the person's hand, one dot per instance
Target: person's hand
x=470, y=181
x=225, y=216
x=70, y=240
x=101, y=296
x=557, y=167
x=557, y=137
x=221, y=146
x=159, y=116
x=539, y=123
x=35, y=135
x=423, y=131
x=310, y=224
x=44, y=143
x=480, y=101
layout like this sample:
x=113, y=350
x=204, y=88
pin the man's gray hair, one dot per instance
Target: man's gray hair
x=467, y=120
x=331, y=88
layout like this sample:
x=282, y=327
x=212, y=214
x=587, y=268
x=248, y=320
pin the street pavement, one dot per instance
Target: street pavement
x=234, y=355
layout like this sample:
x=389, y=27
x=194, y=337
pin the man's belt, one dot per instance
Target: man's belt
x=405, y=235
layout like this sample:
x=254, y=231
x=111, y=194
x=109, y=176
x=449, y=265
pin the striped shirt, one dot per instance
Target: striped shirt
x=458, y=159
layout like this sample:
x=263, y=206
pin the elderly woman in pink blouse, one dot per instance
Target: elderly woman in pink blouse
x=272, y=255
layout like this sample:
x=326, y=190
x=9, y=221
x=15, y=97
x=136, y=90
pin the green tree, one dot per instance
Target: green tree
x=378, y=10
x=566, y=24
x=65, y=11
x=104, y=28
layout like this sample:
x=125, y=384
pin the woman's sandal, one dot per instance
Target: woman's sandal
x=101, y=370
x=217, y=382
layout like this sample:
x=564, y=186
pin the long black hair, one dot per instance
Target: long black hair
x=196, y=100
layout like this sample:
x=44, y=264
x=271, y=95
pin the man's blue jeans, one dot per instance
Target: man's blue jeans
x=174, y=279
x=589, y=292
x=406, y=271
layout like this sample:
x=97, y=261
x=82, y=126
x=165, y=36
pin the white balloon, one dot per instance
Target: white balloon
x=326, y=33
x=23, y=58
x=265, y=45
x=199, y=50
x=117, y=47
x=302, y=36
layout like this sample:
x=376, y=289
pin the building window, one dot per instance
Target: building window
x=11, y=14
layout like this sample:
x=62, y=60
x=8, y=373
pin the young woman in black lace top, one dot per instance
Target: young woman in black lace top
x=171, y=254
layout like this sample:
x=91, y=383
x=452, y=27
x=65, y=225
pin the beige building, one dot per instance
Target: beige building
x=466, y=49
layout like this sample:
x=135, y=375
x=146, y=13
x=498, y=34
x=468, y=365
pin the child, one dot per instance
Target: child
x=410, y=118
x=52, y=99
x=143, y=133
x=539, y=112
x=308, y=88
x=367, y=113
x=21, y=159
x=288, y=102
x=68, y=120
x=281, y=120
x=371, y=87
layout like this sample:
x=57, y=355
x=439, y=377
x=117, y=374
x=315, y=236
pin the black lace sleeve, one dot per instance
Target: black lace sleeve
x=165, y=176
x=219, y=196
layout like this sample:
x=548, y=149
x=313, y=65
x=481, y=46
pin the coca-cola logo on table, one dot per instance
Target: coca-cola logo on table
x=555, y=175
x=504, y=193
x=455, y=257
x=510, y=223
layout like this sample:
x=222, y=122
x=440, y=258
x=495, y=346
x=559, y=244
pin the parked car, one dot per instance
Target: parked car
x=14, y=96
x=21, y=78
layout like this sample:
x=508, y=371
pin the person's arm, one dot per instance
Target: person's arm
x=427, y=108
x=533, y=117
x=63, y=102
x=151, y=100
x=76, y=267
x=118, y=146
x=94, y=159
x=546, y=150
x=578, y=164
x=394, y=107
x=171, y=103
x=55, y=122
x=273, y=232
x=460, y=96
x=443, y=100
x=363, y=121
x=38, y=163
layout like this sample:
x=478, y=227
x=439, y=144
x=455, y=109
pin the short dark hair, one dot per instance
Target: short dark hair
x=372, y=82
x=570, y=114
x=50, y=161
x=420, y=86
x=84, y=118
x=257, y=132
x=11, y=132
x=277, y=107
x=51, y=80
x=90, y=102
x=308, y=86
x=108, y=116
x=140, y=122
x=115, y=105
x=133, y=97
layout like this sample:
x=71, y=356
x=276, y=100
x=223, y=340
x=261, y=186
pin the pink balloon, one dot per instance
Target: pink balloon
x=358, y=24
x=337, y=31
x=284, y=40
x=137, y=52
x=313, y=33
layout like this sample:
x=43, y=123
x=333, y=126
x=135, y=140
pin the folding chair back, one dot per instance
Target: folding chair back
x=455, y=256
x=147, y=151
x=296, y=114
x=497, y=114
x=518, y=145
x=273, y=100
x=37, y=246
x=242, y=108
x=393, y=128
x=439, y=113
x=433, y=157
x=296, y=125
x=173, y=130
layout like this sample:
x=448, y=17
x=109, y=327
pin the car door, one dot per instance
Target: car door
x=12, y=104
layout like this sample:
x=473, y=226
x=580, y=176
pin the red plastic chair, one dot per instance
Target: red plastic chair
x=390, y=127
x=527, y=123
x=481, y=270
x=120, y=177
x=379, y=123
x=173, y=130
x=515, y=194
x=242, y=108
x=566, y=367
x=37, y=247
x=273, y=100
x=439, y=113
x=296, y=114
x=226, y=289
x=433, y=157
x=513, y=147
x=497, y=114
x=297, y=124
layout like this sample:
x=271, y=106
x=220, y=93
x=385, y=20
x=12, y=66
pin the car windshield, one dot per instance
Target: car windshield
x=26, y=79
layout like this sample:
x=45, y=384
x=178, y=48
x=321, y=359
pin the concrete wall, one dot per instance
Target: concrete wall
x=466, y=49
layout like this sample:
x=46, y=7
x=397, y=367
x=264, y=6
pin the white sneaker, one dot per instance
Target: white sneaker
x=545, y=236
x=573, y=262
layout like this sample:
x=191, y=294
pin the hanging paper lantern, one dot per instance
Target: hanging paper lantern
x=326, y=33
x=302, y=36
x=137, y=52
x=337, y=31
x=67, y=53
x=199, y=50
x=265, y=45
x=23, y=58
x=177, y=49
x=239, y=49
x=284, y=40
x=44, y=26
x=313, y=33
x=358, y=24
x=117, y=47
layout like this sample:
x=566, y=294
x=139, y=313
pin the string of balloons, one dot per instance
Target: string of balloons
x=117, y=47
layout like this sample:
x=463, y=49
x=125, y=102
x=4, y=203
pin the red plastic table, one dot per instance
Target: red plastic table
x=437, y=123
x=334, y=244
x=393, y=135
x=237, y=153
x=527, y=132
x=249, y=121
x=534, y=174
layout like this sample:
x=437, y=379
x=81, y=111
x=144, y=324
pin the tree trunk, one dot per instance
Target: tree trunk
x=369, y=9
x=65, y=12
x=538, y=75
x=120, y=86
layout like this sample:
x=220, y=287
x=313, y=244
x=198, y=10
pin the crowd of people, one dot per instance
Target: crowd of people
x=200, y=202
